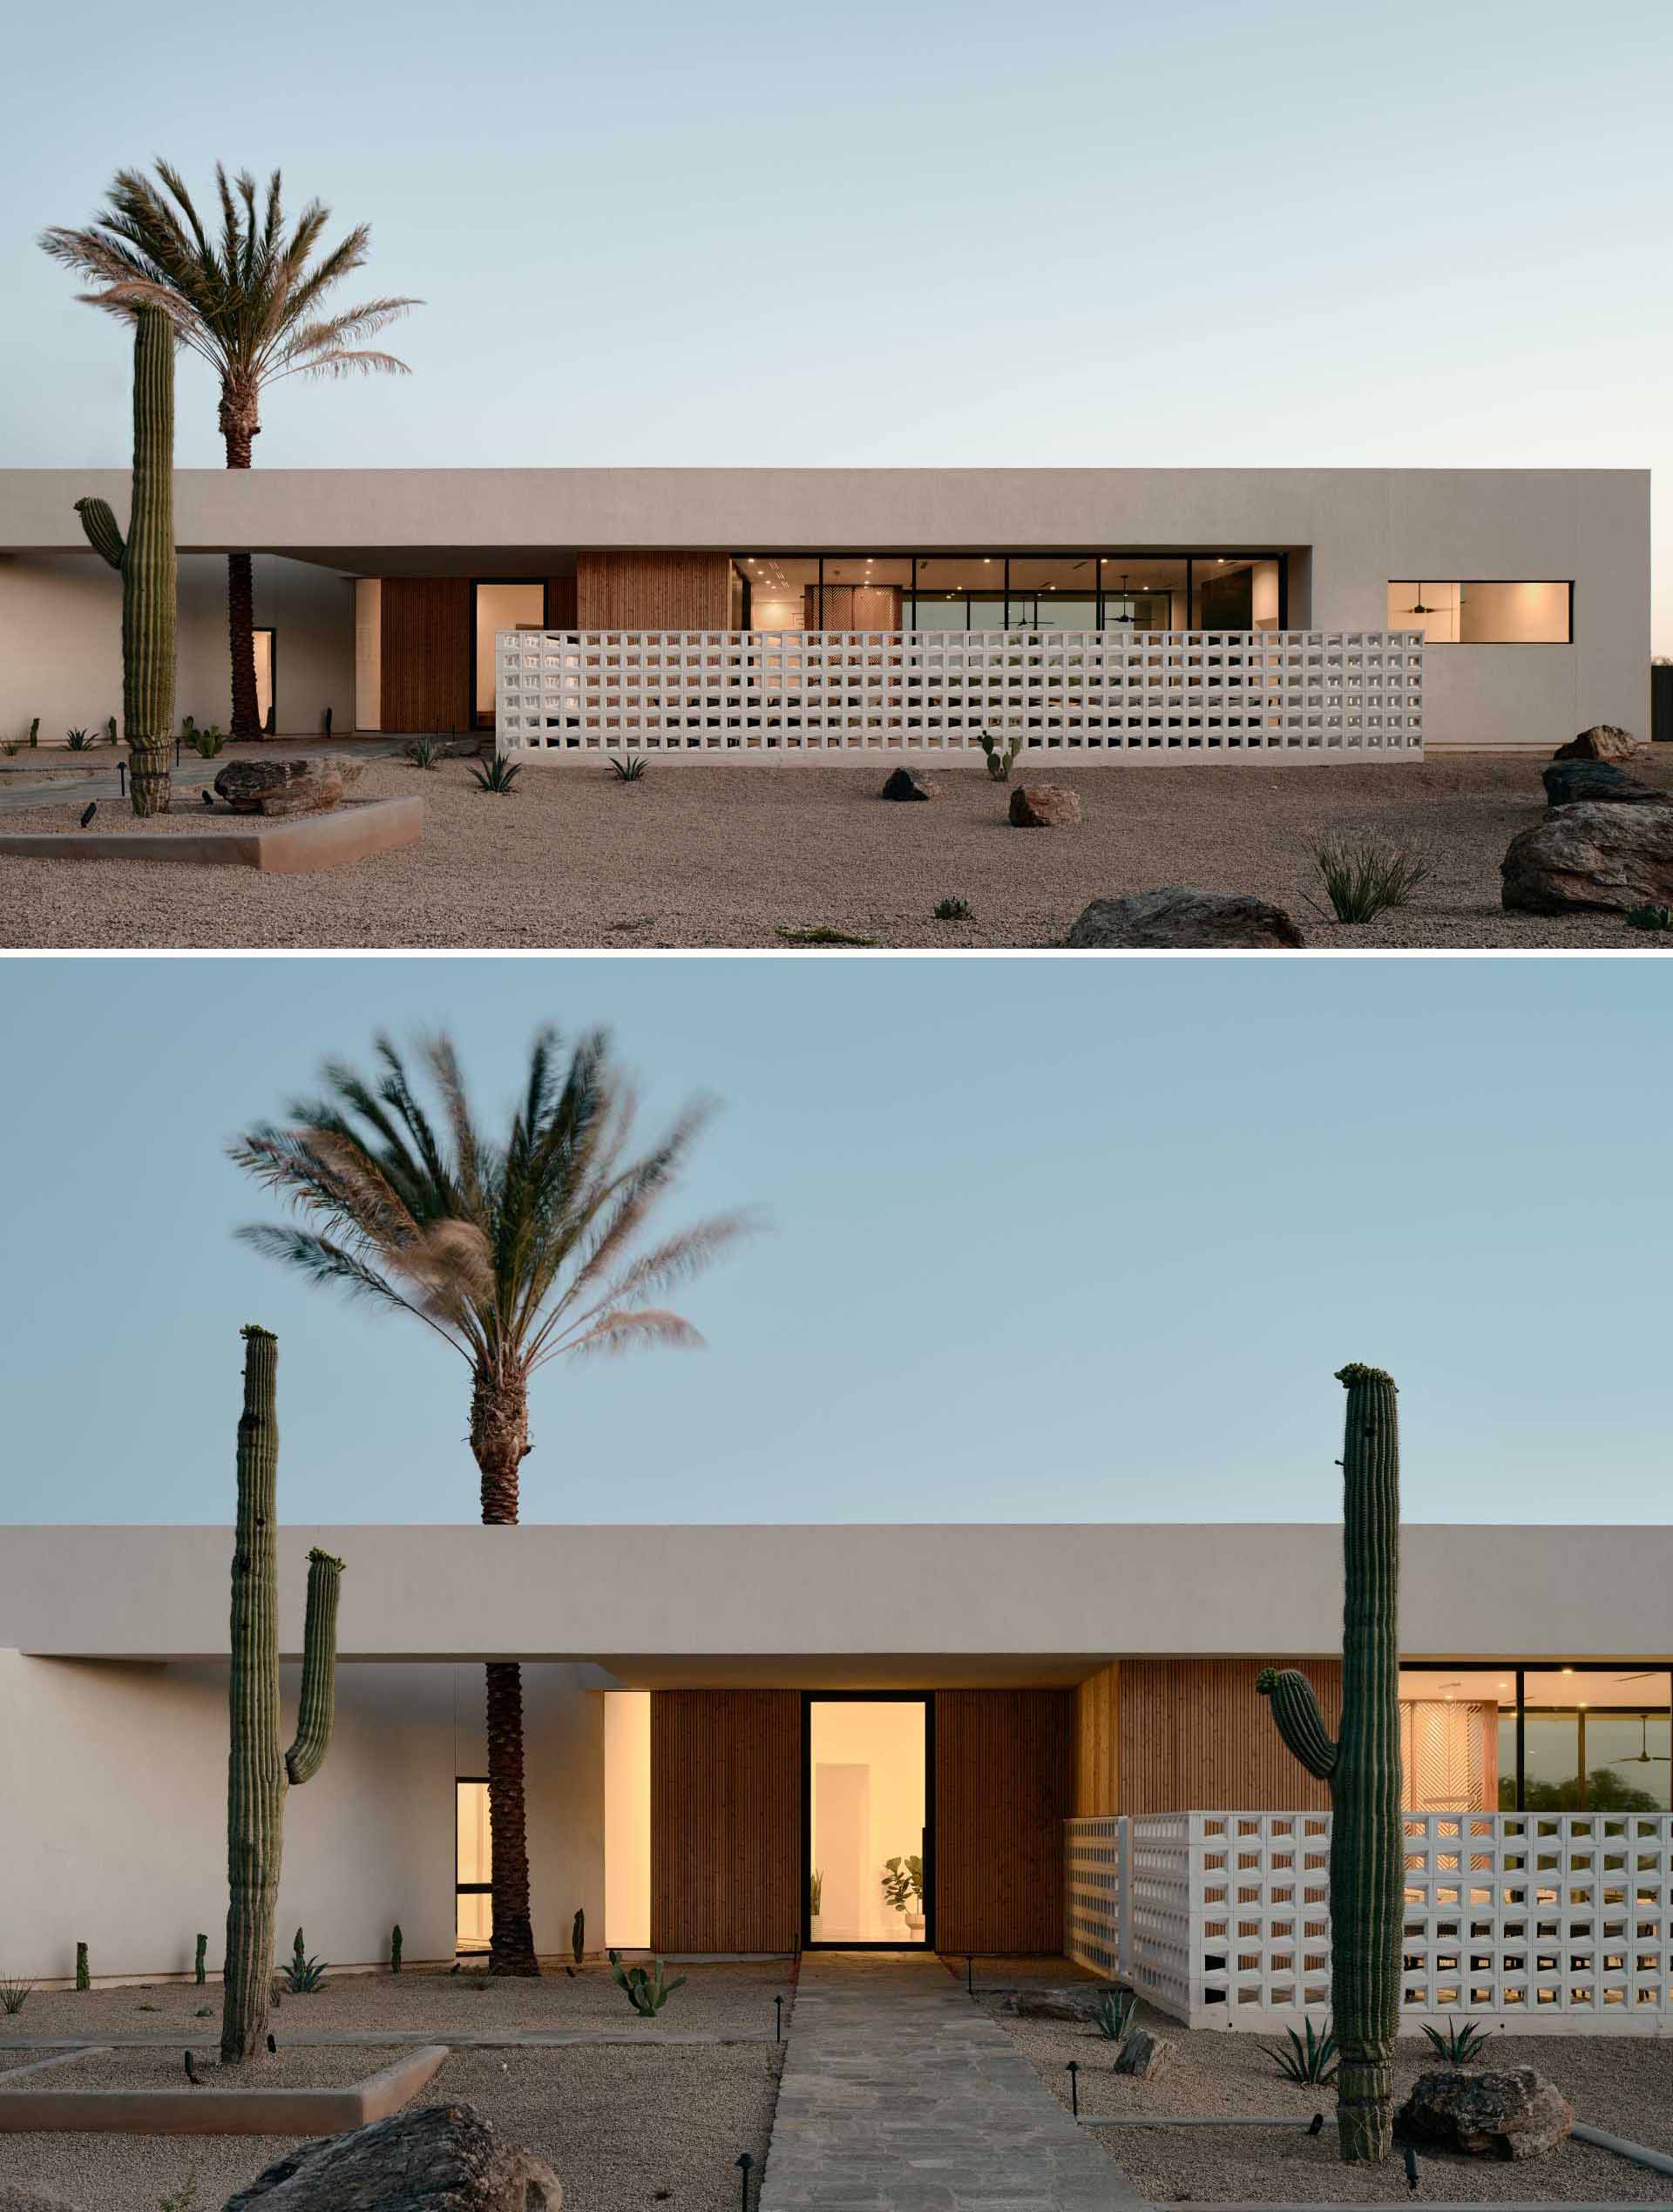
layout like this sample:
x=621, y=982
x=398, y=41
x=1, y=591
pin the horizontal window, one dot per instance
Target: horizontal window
x=1064, y=592
x=1478, y=613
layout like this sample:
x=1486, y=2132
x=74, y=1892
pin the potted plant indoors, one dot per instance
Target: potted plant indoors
x=902, y=1887
x=815, y=1900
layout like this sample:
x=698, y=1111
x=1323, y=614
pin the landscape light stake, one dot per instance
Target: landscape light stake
x=778, y=2019
x=745, y=2161
x=122, y=778
x=970, y=1975
x=1074, y=2087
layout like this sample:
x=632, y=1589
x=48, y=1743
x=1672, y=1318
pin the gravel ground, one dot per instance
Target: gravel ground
x=715, y=854
x=624, y=2128
x=1623, y=2084
x=717, y=2000
x=337, y=2066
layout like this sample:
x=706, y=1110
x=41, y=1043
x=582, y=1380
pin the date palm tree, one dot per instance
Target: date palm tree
x=516, y=1250
x=247, y=302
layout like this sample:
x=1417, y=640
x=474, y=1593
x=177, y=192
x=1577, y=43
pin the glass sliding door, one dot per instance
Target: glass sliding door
x=473, y=1922
x=499, y=606
x=868, y=1850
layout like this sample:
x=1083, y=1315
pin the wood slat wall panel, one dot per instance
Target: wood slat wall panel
x=425, y=653
x=1097, y=1771
x=561, y=603
x=726, y=1820
x=652, y=590
x=1195, y=1736
x=1003, y=1786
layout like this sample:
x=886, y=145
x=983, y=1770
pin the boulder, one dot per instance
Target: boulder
x=1078, y=2002
x=1175, y=916
x=1141, y=2054
x=1603, y=742
x=1043, y=806
x=438, y=2158
x=1591, y=858
x=287, y=787
x=1516, y=2114
x=1572, y=782
x=907, y=783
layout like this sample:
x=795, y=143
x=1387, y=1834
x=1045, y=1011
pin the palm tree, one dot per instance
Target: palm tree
x=247, y=303
x=516, y=1251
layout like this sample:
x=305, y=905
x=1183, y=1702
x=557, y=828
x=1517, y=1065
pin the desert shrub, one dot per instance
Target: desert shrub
x=205, y=743
x=78, y=740
x=424, y=753
x=1649, y=918
x=498, y=775
x=1362, y=876
x=645, y=1995
x=1457, y=2044
x=1310, y=2064
x=14, y=1993
x=1000, y=756
x=1112, y=2012
x=627, y=767
x=952, y=910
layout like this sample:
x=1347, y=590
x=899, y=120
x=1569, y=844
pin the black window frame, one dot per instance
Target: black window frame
x=1100, y=560
x=466, y=1889
x=926, y=1699
x=1519, y=1670
x=1460, y=583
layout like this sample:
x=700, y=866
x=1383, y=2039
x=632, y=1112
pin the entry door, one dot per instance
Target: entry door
x=867, y=1829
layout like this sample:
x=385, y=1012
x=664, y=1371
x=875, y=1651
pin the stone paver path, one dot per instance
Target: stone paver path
x=899, y=2091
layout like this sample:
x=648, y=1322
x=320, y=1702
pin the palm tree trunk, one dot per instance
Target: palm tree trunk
x=499, y=1441
x=239, y=427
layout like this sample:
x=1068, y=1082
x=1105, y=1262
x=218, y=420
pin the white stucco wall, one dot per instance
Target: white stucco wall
x=112, y=1828
x=61, y=642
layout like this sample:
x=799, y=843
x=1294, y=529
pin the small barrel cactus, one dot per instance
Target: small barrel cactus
x=198, y=1962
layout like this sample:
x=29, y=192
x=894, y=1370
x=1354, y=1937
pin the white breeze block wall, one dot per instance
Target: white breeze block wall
x=1091, y=695
x=1532, y=1922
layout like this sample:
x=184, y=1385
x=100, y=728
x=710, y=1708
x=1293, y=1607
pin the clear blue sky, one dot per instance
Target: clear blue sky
x=1214, y=231
x=1051, y=1240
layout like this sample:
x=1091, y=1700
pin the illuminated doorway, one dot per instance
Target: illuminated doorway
x=473, y=1906
x=265, y=672
x=868, y=1843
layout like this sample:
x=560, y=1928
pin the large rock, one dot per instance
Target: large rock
x=1569, y=783
x=1043, y=806
x=907, y=783
x=1141, y=2054
x=438, y=2158
x=1174, y=915
x=1517, y=2113
x=1601, y=742
x=287, y=787
x=1590, y=858
x=1078, y=2001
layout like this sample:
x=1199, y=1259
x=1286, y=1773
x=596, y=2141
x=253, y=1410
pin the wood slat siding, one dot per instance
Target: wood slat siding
x=561, y=603
x=1003, y=1786
x=425, y=654
x=1195, y=1736
x=652, y=590
x=726, y=1820
x=1097, y=1770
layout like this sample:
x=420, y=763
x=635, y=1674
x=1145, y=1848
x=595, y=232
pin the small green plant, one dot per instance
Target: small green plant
x=645, y=1995
x=1458, y=2045
x=198, y=1962
x=78, y=740
x=84, y=1978
x=424, y=753
x=394, y=1948
x=13, y=745
x=815, y=1892
x=1310, y=2064
x=627, y=767
x=109, y=730
x=498, y=775
x=1361, y=876
x=578, y=1935
x=14, y=1995
x=35, y=731
x=821, y=936
x=205, y=743
x=902, y=1883
x=1649, y=918
x=303, y=1975
x=1112, y=2012
x=1001, y=757
x=184, y=2198
x=952, y=910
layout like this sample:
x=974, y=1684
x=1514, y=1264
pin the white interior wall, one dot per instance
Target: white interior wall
x=369, y=652
x=628, y=1819
x=124, y=1769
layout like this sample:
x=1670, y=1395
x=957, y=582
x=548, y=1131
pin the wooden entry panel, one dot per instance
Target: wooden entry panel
x=1004, y=1787
x=726, y=1820
x=425, y=653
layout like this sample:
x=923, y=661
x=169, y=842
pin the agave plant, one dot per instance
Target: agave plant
x=1311, y=2063
x=78, y=740
x=645, y=1995
x=303, y=1975
x=497, y=775
x=1458, y=2043
x=424, y=753
x=628, y=768
x=1112, y=2012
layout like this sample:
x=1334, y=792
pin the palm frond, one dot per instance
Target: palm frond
x=322, y=1260
x=628, y=1332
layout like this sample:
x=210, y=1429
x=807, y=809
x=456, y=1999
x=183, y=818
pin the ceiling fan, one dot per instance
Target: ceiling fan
x=1644, y=1757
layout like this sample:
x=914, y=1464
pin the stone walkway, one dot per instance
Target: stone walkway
x=899, y=2091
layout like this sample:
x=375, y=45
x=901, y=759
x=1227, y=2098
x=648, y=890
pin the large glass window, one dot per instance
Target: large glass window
x=999, y=590
x=266, y=713
x=473, y=1866
x=1536, y=1738
x=867, y=1807
x=1146, y=594
x=963, y=592
x=1057, y=594
x=1476, y=613
x=781, y=591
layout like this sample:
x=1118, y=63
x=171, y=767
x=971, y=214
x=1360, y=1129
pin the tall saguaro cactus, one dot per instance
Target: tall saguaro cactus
x=1363, y=1769
x=145, y=561
x=258, y=1772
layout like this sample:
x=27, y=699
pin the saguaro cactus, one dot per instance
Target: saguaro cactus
x=257, y=1772
x=145, y=561
x=1363, y=1769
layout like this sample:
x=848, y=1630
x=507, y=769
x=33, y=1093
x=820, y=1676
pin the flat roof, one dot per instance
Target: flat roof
x=917, y=1605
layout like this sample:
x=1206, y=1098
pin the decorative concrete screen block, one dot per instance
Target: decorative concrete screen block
x=1097, y=694
x=1554, y=1921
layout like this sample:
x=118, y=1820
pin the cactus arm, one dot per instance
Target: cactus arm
x=1295, y=1710
x=318, y=1704
x=102, y=535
